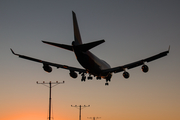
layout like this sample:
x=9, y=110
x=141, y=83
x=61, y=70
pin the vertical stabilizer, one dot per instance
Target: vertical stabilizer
x=77, y=36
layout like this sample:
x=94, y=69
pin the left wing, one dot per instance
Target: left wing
x=51, y=64
x=137, y=63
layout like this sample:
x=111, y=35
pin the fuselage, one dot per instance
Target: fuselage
x=91, y=63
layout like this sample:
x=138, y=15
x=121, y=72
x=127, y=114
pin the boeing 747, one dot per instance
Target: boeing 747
x=92, y=65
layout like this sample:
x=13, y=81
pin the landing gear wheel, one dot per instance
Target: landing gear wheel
x=89, y=78
x=98, y=78
x=83, y=79
x=106, y=84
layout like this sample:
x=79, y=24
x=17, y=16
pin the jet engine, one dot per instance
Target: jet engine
x=145, y=68
x=73, y=74
x=47, y=68
x=126, y=74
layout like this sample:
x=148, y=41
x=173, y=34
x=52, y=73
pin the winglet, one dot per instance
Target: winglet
x=13, y=52
x=169, y=48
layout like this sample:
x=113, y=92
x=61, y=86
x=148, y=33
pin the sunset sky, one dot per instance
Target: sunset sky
x=132, y=29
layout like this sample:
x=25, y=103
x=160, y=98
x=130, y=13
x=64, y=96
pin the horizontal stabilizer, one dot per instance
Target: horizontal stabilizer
x=67, y=47
x=87, y=46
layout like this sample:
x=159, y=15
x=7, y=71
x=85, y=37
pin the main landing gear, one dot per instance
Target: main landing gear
x=90, y=77
x=98, y=78
x=108, y=78
x=83, y=79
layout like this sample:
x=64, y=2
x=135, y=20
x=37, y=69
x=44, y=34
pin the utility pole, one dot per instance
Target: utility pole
x=50, y=86
x=94, y=118
x=80, y=107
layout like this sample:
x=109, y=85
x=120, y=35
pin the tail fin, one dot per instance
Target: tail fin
x=77, y=40
x=77, y=36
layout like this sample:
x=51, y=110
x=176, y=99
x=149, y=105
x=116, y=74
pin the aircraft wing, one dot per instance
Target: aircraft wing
x=137, y=63
x=51, y=64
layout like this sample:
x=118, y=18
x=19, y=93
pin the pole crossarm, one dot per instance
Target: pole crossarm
x=56, y=83
x=82, y=106
x=94, y=118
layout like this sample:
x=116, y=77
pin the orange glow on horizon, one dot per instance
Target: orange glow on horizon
x=29, y=115
x=26, y=116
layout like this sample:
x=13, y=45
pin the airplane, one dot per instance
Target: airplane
x=91, y=64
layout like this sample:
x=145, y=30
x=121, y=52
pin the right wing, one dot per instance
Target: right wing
x=51, y=64
x=137, y=63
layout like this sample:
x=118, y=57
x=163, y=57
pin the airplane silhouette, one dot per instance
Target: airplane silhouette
x=92, y=64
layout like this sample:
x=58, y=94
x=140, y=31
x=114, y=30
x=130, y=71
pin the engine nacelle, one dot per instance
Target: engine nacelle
x=126, y=75
x=47, y=68
x=73, y=74
x=145, y=68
